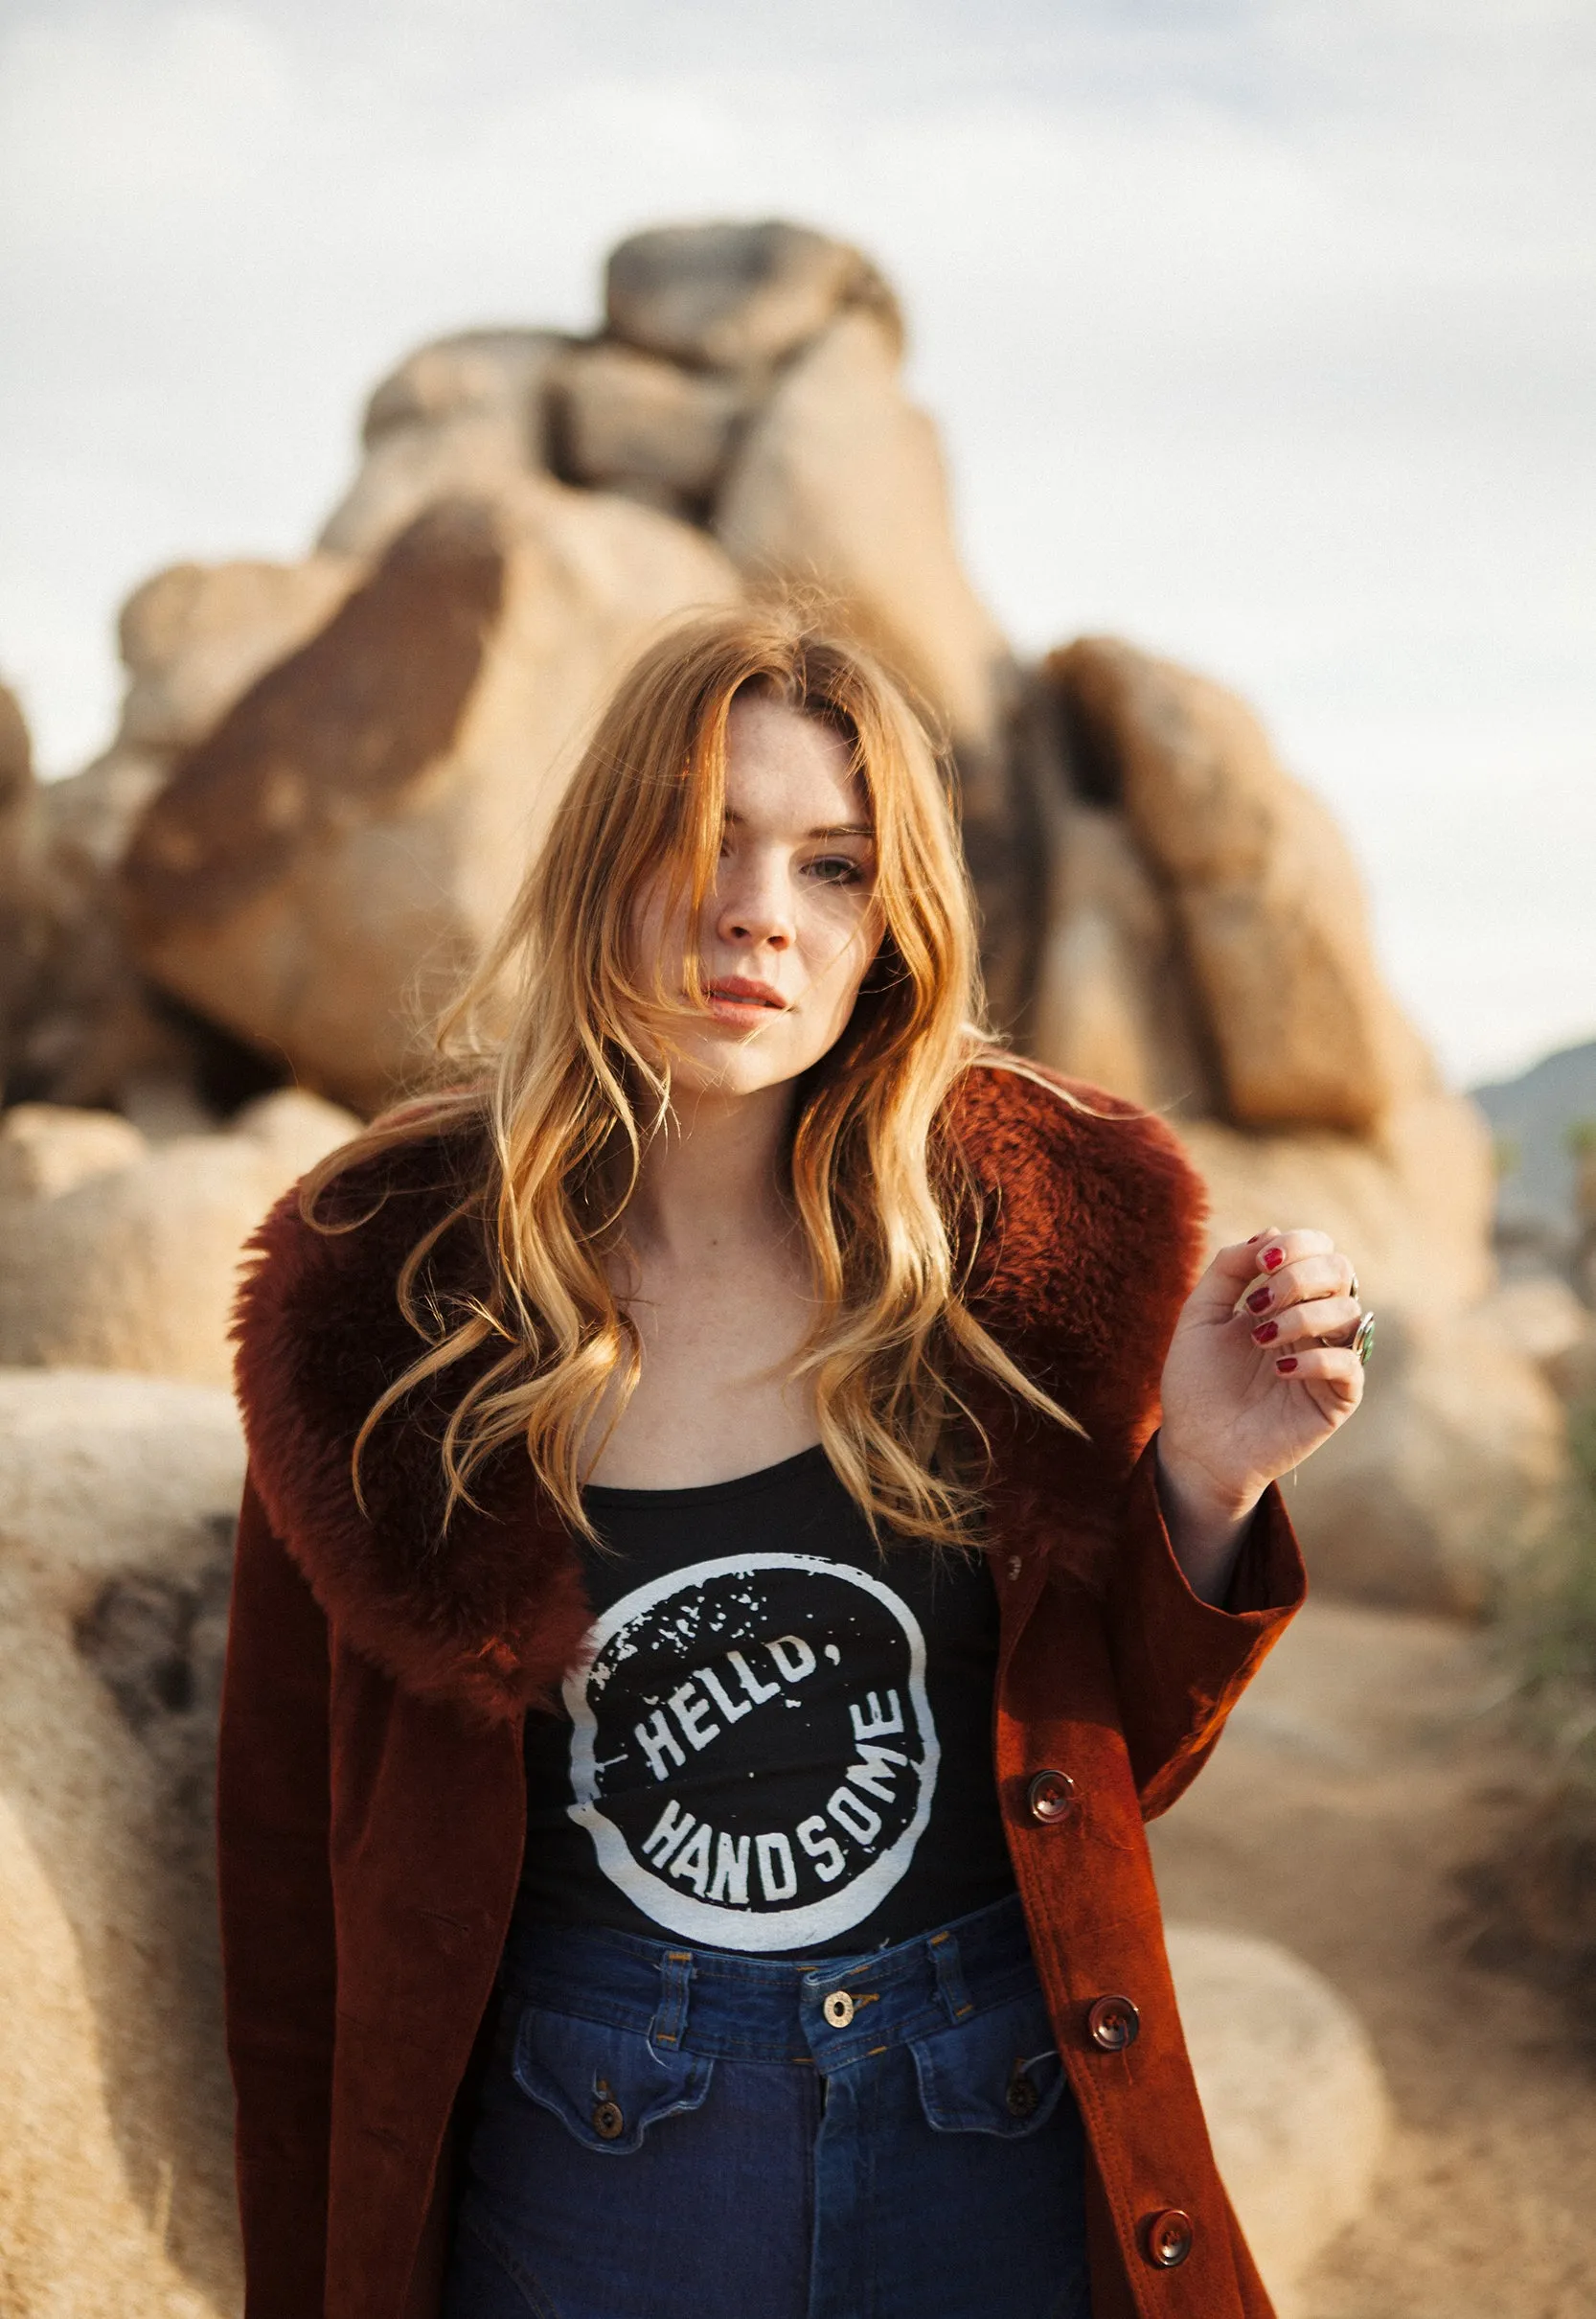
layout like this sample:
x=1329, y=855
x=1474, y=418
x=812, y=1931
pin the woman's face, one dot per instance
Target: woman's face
x=790, y=924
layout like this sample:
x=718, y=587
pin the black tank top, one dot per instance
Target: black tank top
x=781, y=1741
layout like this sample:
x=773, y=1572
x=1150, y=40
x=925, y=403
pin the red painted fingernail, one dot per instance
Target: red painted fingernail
x=1272, y=1259
x=1267, y=1332
x=1286, y=1366
x=1259, y=1301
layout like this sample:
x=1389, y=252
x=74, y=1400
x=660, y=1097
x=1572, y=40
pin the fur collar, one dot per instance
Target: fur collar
x=1090, y=1236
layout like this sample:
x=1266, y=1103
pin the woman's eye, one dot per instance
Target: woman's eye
x=838, y=869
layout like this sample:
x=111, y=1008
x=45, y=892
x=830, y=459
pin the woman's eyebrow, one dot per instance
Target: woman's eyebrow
x=830, y=829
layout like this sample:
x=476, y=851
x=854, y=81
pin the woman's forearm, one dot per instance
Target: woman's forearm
x=1205, y=1529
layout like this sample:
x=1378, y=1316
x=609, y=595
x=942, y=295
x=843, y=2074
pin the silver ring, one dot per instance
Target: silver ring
x=1360, y=1339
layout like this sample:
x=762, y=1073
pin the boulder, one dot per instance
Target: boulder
x=195, y=637
x=119, y=1254
x=18, y=795
x=92, y=1033
x=319, y=872
x=1295, y=2101
x=22, y=917
x=1268, y=901
x=89, y=816
x=621, y=421
x=1541, y=1317
x=16, y=751
x=1436, y=1495
x=1412, y=1205
x=79, y=1027
x=463, y=418
x=46, y=1150
x=1109, y=1000
x=1571, y=1373
x=86, y=1030
x=116, y=1503
x=838, y=486
x=728, y=296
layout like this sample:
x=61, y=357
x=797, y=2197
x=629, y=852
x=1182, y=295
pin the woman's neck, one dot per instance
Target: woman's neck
x=713, y=1177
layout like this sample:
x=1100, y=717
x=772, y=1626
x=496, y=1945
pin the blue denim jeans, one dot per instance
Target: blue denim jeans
x=675, y=2133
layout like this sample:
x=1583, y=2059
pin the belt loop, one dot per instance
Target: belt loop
x=950, y=1979
x=668, y=2025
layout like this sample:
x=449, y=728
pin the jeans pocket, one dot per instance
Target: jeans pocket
x=606, y=2086
x=999, y=2072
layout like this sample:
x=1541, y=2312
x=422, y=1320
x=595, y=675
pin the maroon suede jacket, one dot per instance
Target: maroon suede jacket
x=371, y=1793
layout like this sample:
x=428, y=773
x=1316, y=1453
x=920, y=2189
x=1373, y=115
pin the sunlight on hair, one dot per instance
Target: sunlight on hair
x=558, y=1055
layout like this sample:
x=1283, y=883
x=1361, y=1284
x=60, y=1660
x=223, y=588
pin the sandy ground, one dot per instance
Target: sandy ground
x=1368, y=1764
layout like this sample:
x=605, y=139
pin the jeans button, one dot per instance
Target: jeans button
x=608, y=2122
x=1022, y=2099
x=1050, y=1797
x=839, y=2009
x=1112, y=2024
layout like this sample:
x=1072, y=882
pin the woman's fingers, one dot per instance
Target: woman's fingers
x=1243, y=1258
x=1333, y=1366
x=1298, y=1278
x=1321, y=1317
x=1247, y=1262
x=1262, y=1367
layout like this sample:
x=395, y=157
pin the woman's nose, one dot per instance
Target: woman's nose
x=753, y=904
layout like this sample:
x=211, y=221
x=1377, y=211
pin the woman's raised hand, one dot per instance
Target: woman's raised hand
x=1255, y=1380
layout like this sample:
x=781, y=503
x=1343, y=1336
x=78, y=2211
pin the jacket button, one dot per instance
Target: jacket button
x=1113, y=2023
x=1166, y=2239
x=1051, y=1796
x=608, y=2123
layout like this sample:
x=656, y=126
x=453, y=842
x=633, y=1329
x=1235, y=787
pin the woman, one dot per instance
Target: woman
x=712, y=1612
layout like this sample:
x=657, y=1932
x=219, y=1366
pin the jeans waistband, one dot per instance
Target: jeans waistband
x=717, y=2002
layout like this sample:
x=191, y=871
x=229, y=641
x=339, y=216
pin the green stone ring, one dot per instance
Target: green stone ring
x=1364, y=1338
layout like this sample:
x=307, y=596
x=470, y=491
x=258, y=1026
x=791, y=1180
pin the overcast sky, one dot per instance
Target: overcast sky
x=1259, y=332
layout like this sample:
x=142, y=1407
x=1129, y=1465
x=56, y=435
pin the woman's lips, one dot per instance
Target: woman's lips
x=736, y=999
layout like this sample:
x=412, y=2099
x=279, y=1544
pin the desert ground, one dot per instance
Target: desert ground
x=1370, y=1767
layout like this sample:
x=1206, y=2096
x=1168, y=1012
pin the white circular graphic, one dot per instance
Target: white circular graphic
x=752, y=1749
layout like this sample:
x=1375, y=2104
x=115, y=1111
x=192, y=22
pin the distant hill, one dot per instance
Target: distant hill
x=1531, y=1117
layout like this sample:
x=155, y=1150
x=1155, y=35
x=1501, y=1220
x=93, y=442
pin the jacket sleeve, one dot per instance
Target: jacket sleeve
x=1181, y=1663
x=277, y=1926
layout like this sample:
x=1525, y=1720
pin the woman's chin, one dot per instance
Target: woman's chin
x=732, y=1066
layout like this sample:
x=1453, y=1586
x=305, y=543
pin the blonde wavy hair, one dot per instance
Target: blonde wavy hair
x=562, y=1040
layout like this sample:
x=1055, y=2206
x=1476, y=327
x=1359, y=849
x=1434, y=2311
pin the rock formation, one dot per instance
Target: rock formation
x=80, y=1023
x=117, y=1254
x=328, y=775
x=20, y=915
x=319, y=869
x=1295, y=2098
x=1207, y=951
x=1264, y=905
x=116, y=1503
